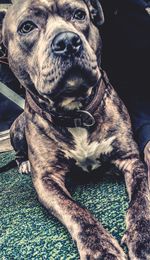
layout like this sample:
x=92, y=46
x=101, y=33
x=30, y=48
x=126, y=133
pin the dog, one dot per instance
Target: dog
x=73, y=119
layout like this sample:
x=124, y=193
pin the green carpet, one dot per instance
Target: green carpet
x=28, y=232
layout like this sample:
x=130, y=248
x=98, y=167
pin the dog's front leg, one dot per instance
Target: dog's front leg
x=19, y=143
x=137, y=236
x=92, y=240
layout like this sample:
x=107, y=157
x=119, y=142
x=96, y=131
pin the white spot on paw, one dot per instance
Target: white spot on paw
x=25, y=167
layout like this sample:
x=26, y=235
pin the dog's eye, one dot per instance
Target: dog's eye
x=79, y=15
x=27, y=27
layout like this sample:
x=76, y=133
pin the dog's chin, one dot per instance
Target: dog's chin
x=73, y=89
x=76, y=91
x=73, y=102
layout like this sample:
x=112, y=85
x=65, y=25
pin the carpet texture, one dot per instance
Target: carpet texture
x=28, y=232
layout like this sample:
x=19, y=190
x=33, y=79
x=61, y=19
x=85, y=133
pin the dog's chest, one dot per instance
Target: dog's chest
x=86, y=153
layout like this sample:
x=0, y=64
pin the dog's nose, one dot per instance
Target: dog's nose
x=66, y=43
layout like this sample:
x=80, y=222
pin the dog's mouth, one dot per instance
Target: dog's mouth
x=76, y=83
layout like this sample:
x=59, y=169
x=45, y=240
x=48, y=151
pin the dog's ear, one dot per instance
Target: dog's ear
x=96, y=12
x=2, y=15
x=6, y=4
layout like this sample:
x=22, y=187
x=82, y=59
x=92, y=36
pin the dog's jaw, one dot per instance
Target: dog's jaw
x=76, y=91
x=74, y=103
x=70, y=104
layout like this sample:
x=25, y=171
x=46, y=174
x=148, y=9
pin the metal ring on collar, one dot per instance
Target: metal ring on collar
x=85, y=118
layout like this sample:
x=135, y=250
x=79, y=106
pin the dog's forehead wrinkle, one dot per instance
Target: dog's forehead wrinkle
x=49, y=5
x=44, y=3
x=22, y=8
x=70, y=3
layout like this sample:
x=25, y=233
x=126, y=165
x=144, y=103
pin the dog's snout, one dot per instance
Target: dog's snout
x=66, y=43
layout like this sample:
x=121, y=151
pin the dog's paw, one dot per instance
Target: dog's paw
x=25, y=167
x=107, y=254
x=137, y=239
x=105, y=247
x=102, y=256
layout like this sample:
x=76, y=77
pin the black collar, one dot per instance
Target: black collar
x=77, y=118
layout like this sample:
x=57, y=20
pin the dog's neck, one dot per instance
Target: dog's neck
x=76, y=117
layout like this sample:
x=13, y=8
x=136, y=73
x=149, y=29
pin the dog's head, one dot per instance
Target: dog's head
x=54, y=46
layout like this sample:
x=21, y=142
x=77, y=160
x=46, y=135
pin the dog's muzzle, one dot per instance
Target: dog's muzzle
x=66, y=44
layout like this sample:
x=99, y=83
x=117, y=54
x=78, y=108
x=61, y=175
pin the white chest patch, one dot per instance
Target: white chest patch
x=87, y=154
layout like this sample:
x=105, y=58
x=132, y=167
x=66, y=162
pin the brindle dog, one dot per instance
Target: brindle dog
x=73, y=118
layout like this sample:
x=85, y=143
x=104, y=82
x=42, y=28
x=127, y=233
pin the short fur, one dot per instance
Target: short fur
x=53, y=149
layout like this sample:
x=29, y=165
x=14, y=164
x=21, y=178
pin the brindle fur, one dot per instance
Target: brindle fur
x=52, y=149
